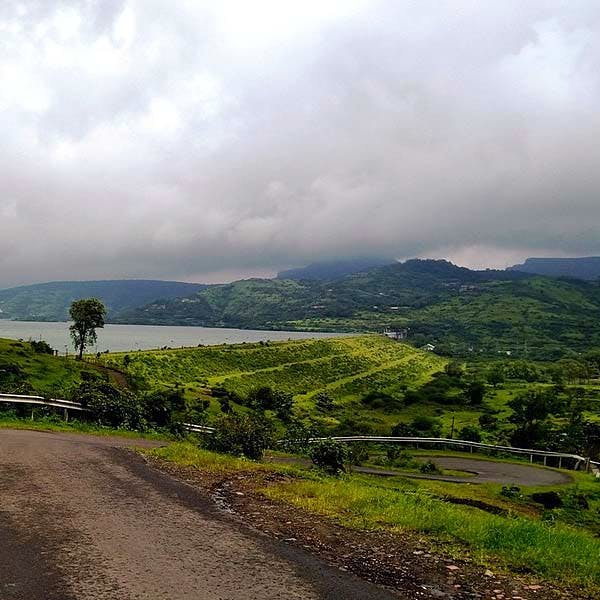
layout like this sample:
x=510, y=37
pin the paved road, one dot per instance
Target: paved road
x=82, y=519
x=488, y=471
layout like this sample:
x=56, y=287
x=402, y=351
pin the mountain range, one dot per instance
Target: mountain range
x=51, y=301
x=579, y=268
x=457, y=310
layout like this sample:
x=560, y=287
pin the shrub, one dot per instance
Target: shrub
x=470, y=433
x=242, y=435
x=329, y=455
x=324, y=402
x=426, y=426
x=109, y=405
x=298, y=435
x=429, y=467
x=41, y=347
x=162, y=407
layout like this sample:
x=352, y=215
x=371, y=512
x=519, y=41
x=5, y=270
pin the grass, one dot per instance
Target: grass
x=45, y=373
x=556, y=552
x=522, y=539
x=346, y=368
x=53, y=423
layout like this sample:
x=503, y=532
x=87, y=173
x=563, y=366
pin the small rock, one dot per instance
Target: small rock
x=452, y=567
x=488, y=573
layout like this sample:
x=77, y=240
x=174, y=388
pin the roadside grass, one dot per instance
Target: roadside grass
x=552, y=551
x=520, y=539
x=52, y=423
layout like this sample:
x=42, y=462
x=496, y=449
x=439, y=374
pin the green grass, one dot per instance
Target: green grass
x=346, y=368
x=520, y=540
x=557, y=552
x=54, y=423
x=46, y=374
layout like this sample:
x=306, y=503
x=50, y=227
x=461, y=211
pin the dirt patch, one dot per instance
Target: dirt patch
x=405, y=562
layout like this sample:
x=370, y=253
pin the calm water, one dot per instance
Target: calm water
x=132, y=337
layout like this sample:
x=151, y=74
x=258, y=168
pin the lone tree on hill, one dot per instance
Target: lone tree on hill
x=87, y=316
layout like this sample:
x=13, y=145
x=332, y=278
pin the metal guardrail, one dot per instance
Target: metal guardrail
x=198, y=428
x=69, y=405
x=40, y=400
x=193, y=428
x=531, y=452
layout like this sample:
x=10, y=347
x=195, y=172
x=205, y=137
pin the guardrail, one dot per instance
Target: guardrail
x=40, y=400
x=69, y=405
x=545, y=454
x=193, y=428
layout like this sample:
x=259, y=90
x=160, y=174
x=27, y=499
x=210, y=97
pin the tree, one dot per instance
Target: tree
x=475, y=393
x=324, y=402
x=495, y=376
x=530, y=413
x=87, y=316
x=329, y=455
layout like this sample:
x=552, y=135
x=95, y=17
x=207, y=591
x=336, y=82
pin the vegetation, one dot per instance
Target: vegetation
x=509, y=530
x=461, y=312
x=87, y=316
x=51, y=301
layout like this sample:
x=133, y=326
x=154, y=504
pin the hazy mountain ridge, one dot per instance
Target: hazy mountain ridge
x=580, y=268
x=334, y=269
x=51, y=301
x=453, y=307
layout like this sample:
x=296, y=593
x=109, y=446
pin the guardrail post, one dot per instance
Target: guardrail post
x=560, y=462
x=545, y=457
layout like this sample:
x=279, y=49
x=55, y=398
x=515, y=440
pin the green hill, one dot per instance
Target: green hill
x=458, y=310
x=51, y=301
x=347, y=369
x=25, y=368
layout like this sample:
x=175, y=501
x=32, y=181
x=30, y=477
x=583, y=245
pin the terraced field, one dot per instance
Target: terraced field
x=346, y=368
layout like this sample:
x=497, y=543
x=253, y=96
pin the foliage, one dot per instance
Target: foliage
x=455, y=309
x=87, y=316
x=41, y=347
x=238, y=434
x=470, y=433
x=111, y=406
x=324, y=402
x=329, y=455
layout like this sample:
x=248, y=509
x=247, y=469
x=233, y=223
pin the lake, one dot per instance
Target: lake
x=118, y=338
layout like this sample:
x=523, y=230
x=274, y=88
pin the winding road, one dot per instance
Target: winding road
x=80, y=518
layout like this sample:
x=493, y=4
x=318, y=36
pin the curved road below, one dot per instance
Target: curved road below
x=82, y=519
x=483, y=471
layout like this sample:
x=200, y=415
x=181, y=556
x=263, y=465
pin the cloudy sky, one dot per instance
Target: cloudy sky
x=206, y=140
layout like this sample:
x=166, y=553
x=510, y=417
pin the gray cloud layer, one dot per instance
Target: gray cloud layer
x=182, y=140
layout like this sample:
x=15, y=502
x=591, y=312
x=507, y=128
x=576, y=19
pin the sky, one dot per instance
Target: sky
x=212, y=140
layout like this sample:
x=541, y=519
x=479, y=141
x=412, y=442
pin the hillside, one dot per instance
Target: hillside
x=458, y=310
x=580, y=268
x=25, y=370
x=347, y=369
x=51, y=301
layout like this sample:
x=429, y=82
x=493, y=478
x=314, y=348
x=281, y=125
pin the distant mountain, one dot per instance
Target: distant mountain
x=334, y=269
x=458, y=310
x=579, y=268
x=51, y=301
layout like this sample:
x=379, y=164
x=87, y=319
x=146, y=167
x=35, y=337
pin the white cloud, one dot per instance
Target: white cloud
x=145, y=138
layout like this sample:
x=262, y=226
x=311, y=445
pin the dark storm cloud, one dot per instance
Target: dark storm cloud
x=153, y=139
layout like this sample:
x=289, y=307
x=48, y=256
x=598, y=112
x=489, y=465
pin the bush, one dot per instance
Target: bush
x=324, y=402
x=41, y=347
x=297, y=436
x=161, y=408
x=470, y=433
x=109, y=405
x=242, y=435
x=425, y=426
x=429, y=467
x=329, y=455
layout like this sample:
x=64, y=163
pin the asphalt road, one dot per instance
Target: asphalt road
x=81, y=518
